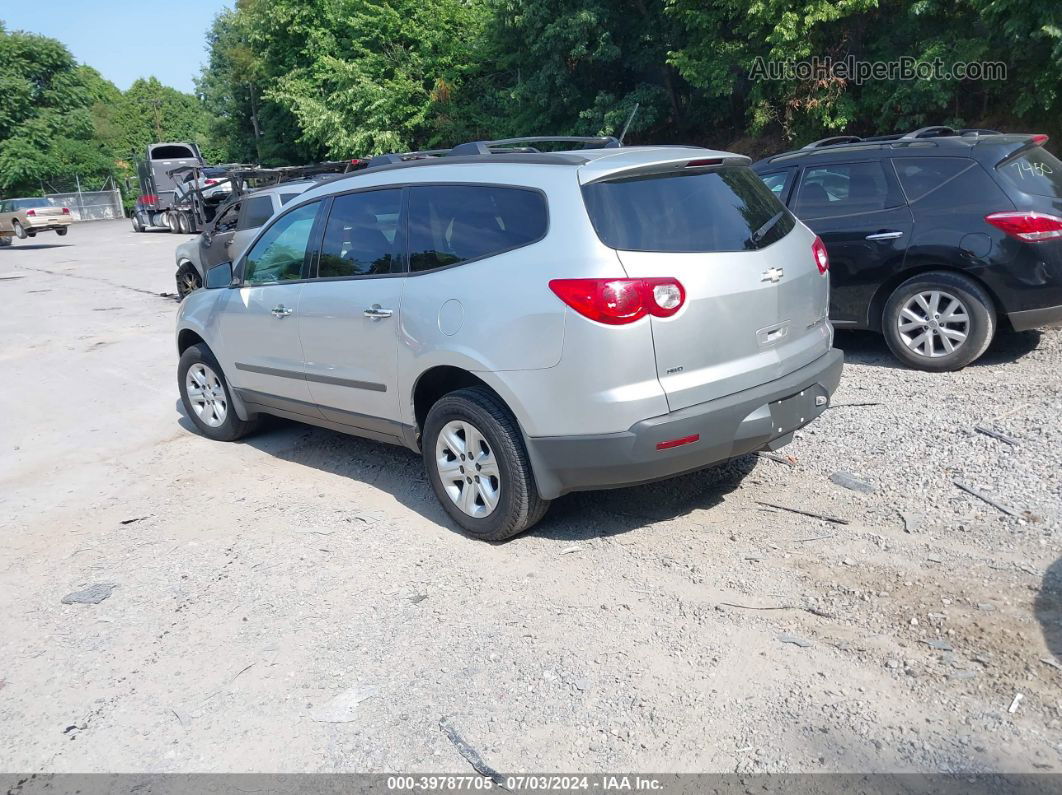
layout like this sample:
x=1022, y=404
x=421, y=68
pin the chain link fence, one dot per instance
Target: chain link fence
x=90, y=205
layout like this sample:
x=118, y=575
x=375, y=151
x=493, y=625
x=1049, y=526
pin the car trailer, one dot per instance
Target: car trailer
x=192, y=212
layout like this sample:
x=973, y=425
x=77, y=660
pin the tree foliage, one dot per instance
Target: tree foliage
x=61, y=122
x=291, y=81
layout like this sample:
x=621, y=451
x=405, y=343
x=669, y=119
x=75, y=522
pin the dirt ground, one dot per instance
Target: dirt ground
x=299, y=602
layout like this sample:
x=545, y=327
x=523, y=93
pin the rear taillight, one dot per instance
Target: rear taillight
x=1039, y=139
x=149, y=198
x=66, y=211
x=211, y=182
x=822, y=258
x=31, y=212
x=1032, y=227
x=620, y=301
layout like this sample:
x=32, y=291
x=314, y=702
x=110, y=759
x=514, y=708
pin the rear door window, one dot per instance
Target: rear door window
x=842, y=189
x=360, y=235
x=449, y=224
x=1034, y=171
x=729, y=209
x=256, y=211
x=920, y=176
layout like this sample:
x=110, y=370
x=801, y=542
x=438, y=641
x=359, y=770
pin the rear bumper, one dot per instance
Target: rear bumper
x=45, y=223
x=754, y=419
x=1036, y=318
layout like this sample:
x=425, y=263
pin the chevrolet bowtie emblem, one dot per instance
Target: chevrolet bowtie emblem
x=773, y=275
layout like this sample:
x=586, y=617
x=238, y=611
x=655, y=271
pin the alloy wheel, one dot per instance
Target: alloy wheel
x=933, y=323
x=468, y=469
x=206, y=393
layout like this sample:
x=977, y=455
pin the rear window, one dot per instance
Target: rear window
x=725, y=210
x=449, y=224
x=171, y=153
x=1035, y=171
x=27, y=204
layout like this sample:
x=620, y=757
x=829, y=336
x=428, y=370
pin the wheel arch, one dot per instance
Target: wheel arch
x=887, y=287
x=186, y=338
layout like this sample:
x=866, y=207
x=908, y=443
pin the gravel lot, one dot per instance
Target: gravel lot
x=299, y=602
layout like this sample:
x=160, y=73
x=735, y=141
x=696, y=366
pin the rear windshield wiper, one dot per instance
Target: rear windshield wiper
x=761, y=233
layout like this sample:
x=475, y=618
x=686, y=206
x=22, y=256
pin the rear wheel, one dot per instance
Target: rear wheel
x=19, y=231
x=188, y=280
x=62, y=230
x=206, y=398
x=938, y=321
x=478, y=466
x=137, y=226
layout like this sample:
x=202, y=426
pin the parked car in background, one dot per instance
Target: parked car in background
x=937, y=238
x=24, y=218
x=228, y=233
x=532, y=323
x=212, y=184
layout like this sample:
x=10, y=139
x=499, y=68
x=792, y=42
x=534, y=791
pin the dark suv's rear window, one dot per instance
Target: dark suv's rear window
x=729, y=209
x=1035, y=171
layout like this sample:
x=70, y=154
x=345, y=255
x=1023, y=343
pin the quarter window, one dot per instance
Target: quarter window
x=279, y=253
x=842, y=189
x=359, y=238
x=256, y=211
x=449, y=224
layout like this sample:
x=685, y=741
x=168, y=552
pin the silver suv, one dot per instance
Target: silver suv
x=533, y=323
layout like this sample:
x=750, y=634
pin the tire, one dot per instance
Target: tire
x=62, y=231
x=182, y=223
x=218, y=423
x=498, y=441
x=188, y=280
x=137, y=226
x=171, y=223
x=20, y=233
x=5, y=241
x=935, y=334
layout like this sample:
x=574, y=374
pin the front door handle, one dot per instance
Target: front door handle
x=884, y=235
x=376, y=312
x=281, y=311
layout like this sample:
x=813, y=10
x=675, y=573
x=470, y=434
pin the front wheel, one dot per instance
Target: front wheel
x=939, y=321
x=478, y=466
x=206, y=397
x=188, y=280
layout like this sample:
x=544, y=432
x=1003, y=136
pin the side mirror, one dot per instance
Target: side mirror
x=219, y=276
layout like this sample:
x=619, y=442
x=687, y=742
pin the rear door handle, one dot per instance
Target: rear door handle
x=884, y=235
x=281, y=311
x=376, y=312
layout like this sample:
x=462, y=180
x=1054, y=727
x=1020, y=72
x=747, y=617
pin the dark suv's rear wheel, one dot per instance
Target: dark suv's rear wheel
x=938, y=321
x=476, y=462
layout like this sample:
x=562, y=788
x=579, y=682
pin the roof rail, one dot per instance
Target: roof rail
x=488, y=147
x=836, y=139
x=402, y=157
x=930, y=132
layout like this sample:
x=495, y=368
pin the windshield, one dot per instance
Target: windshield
x=1034, y=171
x=727, y=209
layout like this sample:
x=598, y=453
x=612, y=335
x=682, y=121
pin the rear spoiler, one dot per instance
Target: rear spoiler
x=681, y=160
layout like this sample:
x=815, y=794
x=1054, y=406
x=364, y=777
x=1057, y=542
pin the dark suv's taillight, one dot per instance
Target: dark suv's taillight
x=1032, y=227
